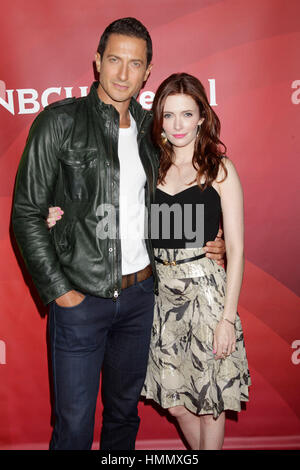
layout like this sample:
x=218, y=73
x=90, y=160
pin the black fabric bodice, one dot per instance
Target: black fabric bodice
x=176, y=217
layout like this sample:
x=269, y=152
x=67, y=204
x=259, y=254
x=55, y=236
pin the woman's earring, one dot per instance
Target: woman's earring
x=164, y=138
x=198, y=127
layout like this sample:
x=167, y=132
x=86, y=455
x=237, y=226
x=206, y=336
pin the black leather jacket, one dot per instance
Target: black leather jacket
x=71, y=160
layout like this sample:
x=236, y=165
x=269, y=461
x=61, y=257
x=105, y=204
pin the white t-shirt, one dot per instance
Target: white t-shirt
x=132, y=201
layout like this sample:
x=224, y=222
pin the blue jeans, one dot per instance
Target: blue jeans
x=100, y=334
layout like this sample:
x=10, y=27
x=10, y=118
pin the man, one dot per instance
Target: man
x=89, y=155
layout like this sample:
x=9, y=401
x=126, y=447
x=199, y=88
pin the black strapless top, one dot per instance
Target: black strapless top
x=191, y=216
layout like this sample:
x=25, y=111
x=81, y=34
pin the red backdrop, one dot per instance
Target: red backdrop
x=247, y=55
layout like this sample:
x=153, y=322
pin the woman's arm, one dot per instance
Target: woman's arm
x=233, y=223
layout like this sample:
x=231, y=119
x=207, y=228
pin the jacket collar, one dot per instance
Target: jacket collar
x=138, y=113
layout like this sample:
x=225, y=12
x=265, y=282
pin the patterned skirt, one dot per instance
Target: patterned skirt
x=181, y=368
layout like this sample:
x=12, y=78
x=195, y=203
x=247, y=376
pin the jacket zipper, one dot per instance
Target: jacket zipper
x=114, y=253
x=116, y=295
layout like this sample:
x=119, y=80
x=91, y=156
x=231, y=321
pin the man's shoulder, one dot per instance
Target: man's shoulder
x=66, y=104
x=59, y=103
x=54, y=114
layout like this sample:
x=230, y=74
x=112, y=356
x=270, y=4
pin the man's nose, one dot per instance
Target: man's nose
x=123, y=72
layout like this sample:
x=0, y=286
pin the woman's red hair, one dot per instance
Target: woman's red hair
x=208, y=155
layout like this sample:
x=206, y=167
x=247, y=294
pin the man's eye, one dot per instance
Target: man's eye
x=136, y=64
x=113, y=59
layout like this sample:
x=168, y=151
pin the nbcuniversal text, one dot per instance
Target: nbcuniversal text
x=30, y=101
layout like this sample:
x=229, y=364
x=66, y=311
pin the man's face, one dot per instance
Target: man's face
x=123, y=68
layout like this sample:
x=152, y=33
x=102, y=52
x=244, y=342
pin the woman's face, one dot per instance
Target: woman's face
x=181, y=118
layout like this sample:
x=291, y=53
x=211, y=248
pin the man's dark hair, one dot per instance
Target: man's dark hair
x=127, y=27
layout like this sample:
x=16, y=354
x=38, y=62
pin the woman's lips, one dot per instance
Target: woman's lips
x=179, y=136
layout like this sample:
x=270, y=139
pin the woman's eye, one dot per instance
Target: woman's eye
x=188, y=114
x=167, y=115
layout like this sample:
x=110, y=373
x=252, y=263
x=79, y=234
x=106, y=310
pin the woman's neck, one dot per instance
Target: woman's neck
x=183, y=155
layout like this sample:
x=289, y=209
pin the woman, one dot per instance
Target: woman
x=197, y=363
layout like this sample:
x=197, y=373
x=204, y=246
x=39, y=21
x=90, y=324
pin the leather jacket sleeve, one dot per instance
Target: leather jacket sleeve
x=35, y=185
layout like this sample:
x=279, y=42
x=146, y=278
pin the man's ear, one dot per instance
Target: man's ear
x=98, y=61
x=147, y=73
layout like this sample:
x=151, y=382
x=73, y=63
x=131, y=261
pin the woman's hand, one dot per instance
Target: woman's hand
x=54, y=214
x=224, y=339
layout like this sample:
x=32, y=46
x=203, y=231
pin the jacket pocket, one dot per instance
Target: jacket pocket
x=63, y=235
x=79, y=173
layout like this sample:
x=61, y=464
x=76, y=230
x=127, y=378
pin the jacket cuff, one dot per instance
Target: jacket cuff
x=54, y=291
